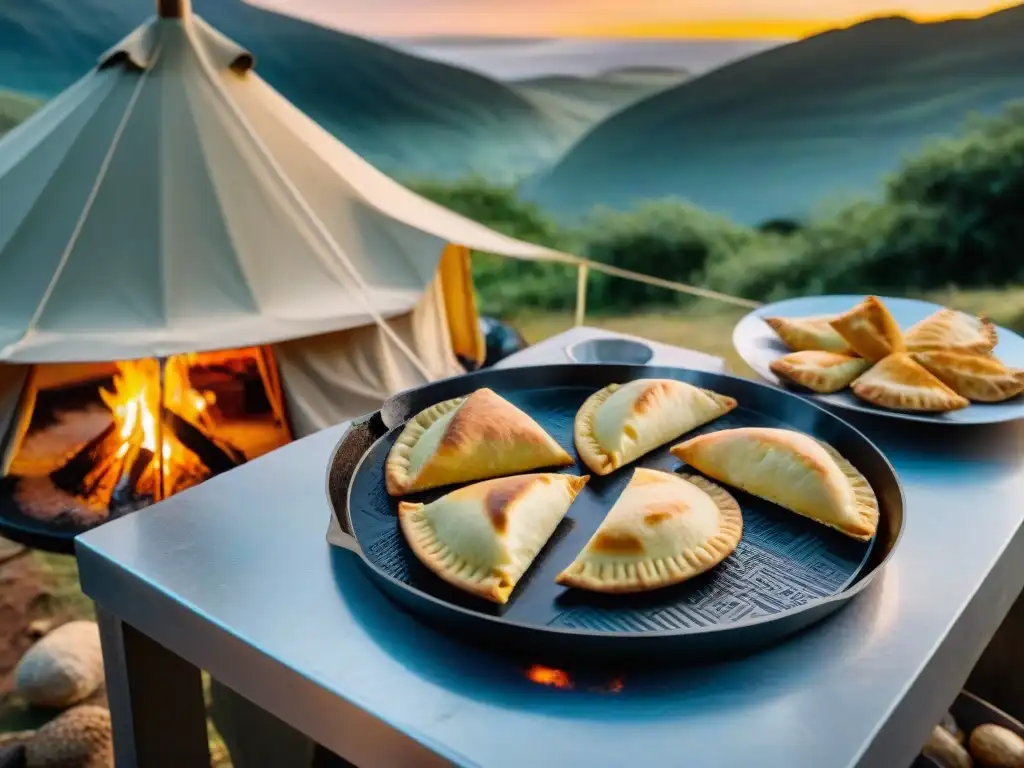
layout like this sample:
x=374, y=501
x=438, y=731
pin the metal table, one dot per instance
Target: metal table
x=234, y=577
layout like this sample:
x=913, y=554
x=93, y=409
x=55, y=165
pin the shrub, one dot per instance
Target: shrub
x=949, y=216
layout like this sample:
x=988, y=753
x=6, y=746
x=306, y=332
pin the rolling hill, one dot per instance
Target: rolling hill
x=405, y=114
x=577, y=104
x=775, y=134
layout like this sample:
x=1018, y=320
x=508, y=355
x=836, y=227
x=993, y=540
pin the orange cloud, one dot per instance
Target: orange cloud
x=761, y=28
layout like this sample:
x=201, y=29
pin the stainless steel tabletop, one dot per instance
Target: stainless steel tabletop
x=235, y=577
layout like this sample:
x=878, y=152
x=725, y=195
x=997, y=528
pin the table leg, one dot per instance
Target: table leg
x=156, y=701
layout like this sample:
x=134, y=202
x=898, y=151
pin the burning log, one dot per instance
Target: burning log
x=74, y=476
x=128, y=493
x=215, y=456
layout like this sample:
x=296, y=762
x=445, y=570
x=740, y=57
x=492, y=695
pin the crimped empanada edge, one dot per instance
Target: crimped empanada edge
x=689, y=564
x=396, y=468
x=429, y=550
x=599, y=461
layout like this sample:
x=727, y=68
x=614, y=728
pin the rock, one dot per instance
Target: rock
x=63, y=668
x=996, y=747
x=79, y=738
x=944, y=749
x=9, y=549
x=39, y=628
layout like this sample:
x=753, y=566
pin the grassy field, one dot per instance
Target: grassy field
x=708, y=326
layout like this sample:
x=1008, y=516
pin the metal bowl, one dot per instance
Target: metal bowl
x=621, y=351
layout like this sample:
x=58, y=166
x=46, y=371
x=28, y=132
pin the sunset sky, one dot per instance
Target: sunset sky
x=614, y=18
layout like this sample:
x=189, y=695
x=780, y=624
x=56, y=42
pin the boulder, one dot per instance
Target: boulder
x=79, y=738
x=63, y=668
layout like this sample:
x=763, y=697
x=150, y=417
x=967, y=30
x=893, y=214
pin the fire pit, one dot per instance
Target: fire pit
x=94, y=442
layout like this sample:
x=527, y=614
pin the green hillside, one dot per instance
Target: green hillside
x=13, y=109
x=780, y=132
x=403, y=113
x=947, y=216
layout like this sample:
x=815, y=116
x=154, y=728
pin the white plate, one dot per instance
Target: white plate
x=758, y=345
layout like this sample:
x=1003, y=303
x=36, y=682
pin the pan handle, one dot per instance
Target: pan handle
x=339, y=537
x=360, y=435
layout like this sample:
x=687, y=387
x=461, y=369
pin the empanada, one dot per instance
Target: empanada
x=662, y=530
x=822, y=372
x=808, y=333
x=483, y=537
x=790, y=469
x=468, y=438
x=870, y=330
x=978, y=377
x=622, y=422
x=950, y=329
x=901, y=384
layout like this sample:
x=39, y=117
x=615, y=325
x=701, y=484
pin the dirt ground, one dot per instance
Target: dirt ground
x=39, y=591
x=34, y=597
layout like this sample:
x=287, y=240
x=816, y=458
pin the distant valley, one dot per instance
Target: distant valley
x=576, y=104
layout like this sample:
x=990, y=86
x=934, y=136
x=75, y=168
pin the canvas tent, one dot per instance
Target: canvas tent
x=171, y=203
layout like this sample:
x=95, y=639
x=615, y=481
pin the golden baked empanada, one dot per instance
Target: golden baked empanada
x=790, y=469
x=662, y=530
x=483, y=537
x=901, y=384
x=468, y=438
x=622, y=422
x=870, y=330
x=808, y=333
x=822, y=372
x=950, y=329
x=978, y=377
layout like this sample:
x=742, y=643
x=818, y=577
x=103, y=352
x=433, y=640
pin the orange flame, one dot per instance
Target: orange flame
x=134, y=403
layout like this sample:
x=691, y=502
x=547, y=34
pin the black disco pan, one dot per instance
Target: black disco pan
x=787, y=572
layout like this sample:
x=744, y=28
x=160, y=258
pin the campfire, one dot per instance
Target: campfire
x=159, y=441
x=167, y=430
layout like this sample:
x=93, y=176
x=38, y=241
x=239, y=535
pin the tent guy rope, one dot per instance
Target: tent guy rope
x=310, y=215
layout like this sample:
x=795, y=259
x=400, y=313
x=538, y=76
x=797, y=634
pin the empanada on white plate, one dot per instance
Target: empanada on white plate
x=978, y=377
x=622, y=422
x=808, y=333
x=822, y=372
x=953, y=330
x=790, y=469
x=662, y=530
x=468, y=438
x=870, y=330
x=483, y=537
x=901, y=384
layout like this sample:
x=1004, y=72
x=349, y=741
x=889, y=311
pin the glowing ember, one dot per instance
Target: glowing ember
x=559, y=678
x=556, y=678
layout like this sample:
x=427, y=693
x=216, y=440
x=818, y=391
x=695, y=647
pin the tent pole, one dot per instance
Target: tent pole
x=160, y=431
x=582, y=271
x=265, y=365
x=172, y=9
